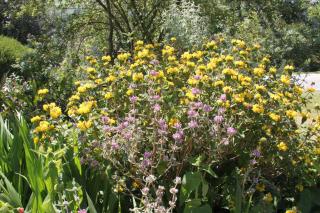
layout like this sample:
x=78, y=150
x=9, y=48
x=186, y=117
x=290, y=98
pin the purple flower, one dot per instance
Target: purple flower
x=253, y=161
x=133, y=99
x=231, y=131
x=162, y=126
x=130, y=119
x=193, y=124
x=82, y=211
x=114, y=145
x=146, y=163
x=178, y=136
x=223, y=97
x=154, y=62
x=177, y=125
x=108, y=128
x=198, y=105
x=195, y=91
x=147, y=154
x=225, y=141
x=221, y=111
x=256, y=153
x=156, y=107
x=218, y=119
x=207, y=108
x=105, y=119
x=156, y=97
x=153, y=73
x=127, y=135
x=192, y=113
x=197, y=77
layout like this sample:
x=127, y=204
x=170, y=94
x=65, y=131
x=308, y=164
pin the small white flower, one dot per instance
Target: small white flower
x=174, y=191
x=177, y=180
x=145, y=191
x=150, y=179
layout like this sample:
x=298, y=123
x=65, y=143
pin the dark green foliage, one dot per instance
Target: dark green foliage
x=10, y=51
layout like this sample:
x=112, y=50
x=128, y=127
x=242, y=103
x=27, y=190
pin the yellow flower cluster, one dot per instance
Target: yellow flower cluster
x=43, y=92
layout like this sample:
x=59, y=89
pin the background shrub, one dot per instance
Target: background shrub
x=10, y=51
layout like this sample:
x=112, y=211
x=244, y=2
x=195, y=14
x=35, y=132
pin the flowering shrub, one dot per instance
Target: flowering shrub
x=195, y=131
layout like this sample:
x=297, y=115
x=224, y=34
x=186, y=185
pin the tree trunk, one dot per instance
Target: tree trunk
x=111, y=32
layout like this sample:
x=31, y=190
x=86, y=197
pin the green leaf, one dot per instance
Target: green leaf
x=10, y=195
x=191, y=181
x=315, y=193
x=90, y=204
x=205, y=188
x=210, y=171
x=202, y=209
x=305, y=201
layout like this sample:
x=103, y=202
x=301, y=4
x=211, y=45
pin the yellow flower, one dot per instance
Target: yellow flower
x=298, y=89
x=43, y=91
x=43, y=126
x=258, y=71
x=186, y=56
x=282, y=146
x=311, y=89
x=219, y=83
x=106, y=58
x=82, y=89
x=171, y=70
x=190, y=95
x=191, y=64
x=299, y=187
x=285, y=79
x=173, y=121
x=274, y=116
x=273, y=70
x=111, y=78
x=229, y=58
x=84, y=125
x=291, y=113
x=74, y=98
x=129, y=92
x=111, y=121
x=168, y=50
x=240, y=64
x=36, y=140
x=193, y=81
x=239, y=97
x=72, y=111
x=211, y=44
x=291, y=211
x=260, y=187
x=35, y=119
x=137, y=76
x=139, y=43
x=123, y=56
x=268, y=198
x=316, y=151
x=55, y=112
x=85, y=107
x=258, y=108
x=227, y=89
x=91, y=70
x=47, y=107
x=288, y=68
x=265, y=60
x=228, y=71
x=108, y=95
